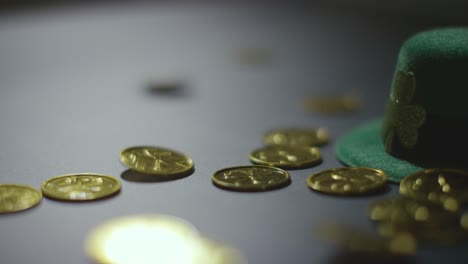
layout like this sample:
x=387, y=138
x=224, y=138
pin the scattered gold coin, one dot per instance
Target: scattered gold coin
x=332, y=104
x=251, y=178
x=15, y=197
x=80, y=187
x=153, y=239
x=348, y=181
x=156, y=161
x=447, y=187
x=286, y=157
x=296, y=137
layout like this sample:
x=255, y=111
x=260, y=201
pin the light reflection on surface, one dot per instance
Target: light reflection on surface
x=154, y=239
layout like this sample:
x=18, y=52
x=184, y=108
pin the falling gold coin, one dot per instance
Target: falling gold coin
x=251, y=178
x=15, y=197
x=332, y=104
x=154, y=239
x=447, y=187
x=347, y=181
x=156, y=161
x=80, y=187
x=296, y=137
x=286, y=157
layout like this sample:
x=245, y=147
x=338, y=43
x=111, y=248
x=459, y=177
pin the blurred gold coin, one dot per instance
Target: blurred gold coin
x=286, y=157
x=251, y=178
x=156, y=161
x=362, y=242
x=408, y=212
x=80, y=187
x=15, y=197
x=448, y=187
x=155, y=239
x=348, y=181
x=332, y=104
x=296, y=137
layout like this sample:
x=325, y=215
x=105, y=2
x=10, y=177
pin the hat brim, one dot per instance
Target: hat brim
x=363, y=147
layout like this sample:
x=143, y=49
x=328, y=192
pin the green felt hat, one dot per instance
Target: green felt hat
x=426, y=116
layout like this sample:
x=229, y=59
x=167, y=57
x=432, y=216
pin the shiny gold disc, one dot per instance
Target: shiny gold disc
x=296, y=137
x=332, y=104
x=286, y=157
x=156, y=161
x=15, y=197
x=80, y=187
x=143, y=239
x=348, y=181
x=251, y=178
x=448, y=187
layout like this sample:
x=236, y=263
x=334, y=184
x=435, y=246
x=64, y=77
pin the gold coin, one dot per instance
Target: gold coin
x=296, y=137
x=448, y=187
x=411, y=213
x=286, y=157
x=362, y=242
x=251, y=178
x=80, y=187
x=156, y=160
x=143, y=239
x=347, y=181
x=332, y=104
x=15, y=197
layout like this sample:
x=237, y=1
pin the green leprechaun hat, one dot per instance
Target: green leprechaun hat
x=426, y=117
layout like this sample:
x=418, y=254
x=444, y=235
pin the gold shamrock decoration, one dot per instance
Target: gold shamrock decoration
x=402, y=118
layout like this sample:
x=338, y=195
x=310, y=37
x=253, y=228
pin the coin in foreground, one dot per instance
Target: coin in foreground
x=348, y=181
x=286, y=157
x=355, y=240
x=296, y=137
x=15, y=197
x=251, y=178
x=80, y=187
x=152, y=239
x=448, y=187
x=156, y=161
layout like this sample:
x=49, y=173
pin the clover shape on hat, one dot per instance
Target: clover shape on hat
x=403, y=117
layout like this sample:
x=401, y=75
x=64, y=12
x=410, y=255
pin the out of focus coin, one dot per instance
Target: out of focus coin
x=164, y=86
x=409, y=212
x=15, y=197
x=296, y=137
x=80, y=187
x=361, y=242
x=332, y=104
x=155, y=239
x=157, y=161
x=253, y=56
x=348, y=181
x=251, y=178
x=448, y=187
x=286, y=157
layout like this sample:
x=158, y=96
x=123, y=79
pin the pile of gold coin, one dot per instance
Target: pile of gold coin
x=284, y=149
x=429, y=208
